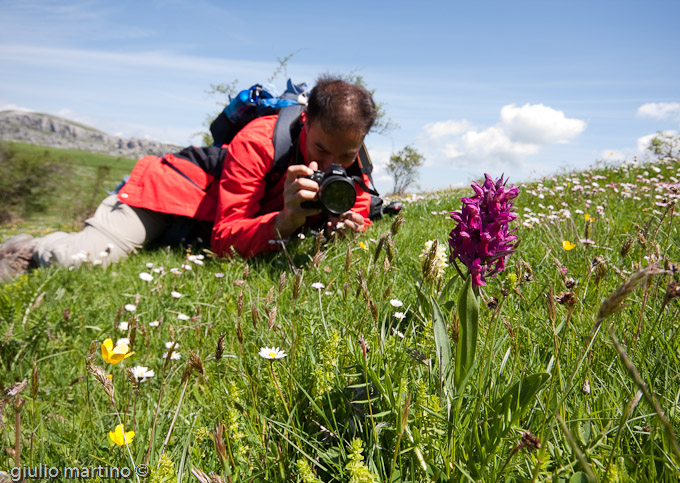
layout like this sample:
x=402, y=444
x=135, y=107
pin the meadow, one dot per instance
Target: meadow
x=367, y=358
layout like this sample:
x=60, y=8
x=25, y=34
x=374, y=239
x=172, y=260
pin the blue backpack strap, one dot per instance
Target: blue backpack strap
x=286, y=134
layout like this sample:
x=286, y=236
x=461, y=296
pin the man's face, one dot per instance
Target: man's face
x=337, y=148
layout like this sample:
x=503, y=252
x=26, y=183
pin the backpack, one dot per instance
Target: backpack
x=257, y=101
x=250, y=104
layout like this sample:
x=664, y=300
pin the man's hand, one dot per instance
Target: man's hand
x=296, y=190
x=347, y=222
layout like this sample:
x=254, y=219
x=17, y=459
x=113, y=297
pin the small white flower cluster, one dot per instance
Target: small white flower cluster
x=196, y=259
x=175, y=354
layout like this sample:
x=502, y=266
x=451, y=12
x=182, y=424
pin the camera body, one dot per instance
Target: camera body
x=336, y=191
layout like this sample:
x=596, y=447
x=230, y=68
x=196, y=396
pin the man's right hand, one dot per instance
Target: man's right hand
x=297, y=189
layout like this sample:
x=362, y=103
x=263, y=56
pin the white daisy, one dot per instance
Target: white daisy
x=399, y=315
x=182, y=316
x=219, y=275
x=271, y=353
x=123, y=325
x=123, y=341
x=168, y=345
x=318, y=285
x=130, y=307
x=149, y=265
x=174, y=356
x=147, y=277
x=154, y=323
x=141, y=373
x=175, y=295
x=396, y=303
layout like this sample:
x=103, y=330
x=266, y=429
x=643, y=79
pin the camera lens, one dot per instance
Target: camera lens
x=338, y=195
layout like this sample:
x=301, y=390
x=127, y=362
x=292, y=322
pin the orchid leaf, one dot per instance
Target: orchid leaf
x=443, y=346
x=468, y=315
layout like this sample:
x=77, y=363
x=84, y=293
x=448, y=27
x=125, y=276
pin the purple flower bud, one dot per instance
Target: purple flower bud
x=481, y=239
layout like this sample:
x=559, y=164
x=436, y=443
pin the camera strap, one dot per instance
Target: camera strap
x=365, y=167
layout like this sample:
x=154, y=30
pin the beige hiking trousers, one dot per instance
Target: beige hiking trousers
x=115, y=230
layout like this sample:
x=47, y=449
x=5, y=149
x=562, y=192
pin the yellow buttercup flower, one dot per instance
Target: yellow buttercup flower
x=363, y=246
x=588, y=217
x=567, y=245
x=120, y=436
x=113, y=355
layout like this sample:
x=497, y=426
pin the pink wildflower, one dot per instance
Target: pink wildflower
x=481, y=240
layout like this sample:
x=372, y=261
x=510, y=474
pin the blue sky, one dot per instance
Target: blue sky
x=524, y=87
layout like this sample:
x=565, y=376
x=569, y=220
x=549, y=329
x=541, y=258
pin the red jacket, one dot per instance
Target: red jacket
x=242, y=210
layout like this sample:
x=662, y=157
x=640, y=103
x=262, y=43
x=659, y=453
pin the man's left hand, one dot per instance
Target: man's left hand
x=347, y=222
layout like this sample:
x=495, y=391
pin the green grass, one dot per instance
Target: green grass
x=360, y=395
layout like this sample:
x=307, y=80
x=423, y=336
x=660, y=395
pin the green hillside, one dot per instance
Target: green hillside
x=74, y=191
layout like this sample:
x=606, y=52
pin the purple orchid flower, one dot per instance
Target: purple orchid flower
x=481, y=239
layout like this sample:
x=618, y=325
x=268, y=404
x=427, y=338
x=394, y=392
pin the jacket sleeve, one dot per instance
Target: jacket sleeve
x=239, y=223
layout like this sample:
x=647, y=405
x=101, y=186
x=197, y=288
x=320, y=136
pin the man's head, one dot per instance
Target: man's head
x=339, y=115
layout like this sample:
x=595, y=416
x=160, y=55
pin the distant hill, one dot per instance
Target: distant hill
x=48, y=130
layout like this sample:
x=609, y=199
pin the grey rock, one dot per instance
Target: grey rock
x=53, y=131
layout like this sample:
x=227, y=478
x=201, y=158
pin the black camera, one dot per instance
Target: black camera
x=336, y=191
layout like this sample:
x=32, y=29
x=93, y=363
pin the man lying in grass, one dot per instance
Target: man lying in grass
x=224, y=193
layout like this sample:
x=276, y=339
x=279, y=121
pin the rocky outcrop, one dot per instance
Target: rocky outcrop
x=54, y=131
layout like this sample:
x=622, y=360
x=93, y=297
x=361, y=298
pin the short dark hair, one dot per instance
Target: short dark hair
x=340, y=106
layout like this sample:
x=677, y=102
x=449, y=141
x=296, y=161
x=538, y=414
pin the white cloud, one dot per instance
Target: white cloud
x=495, y=142
x=74, y=116
x=13, y=107
x=660, y=110
x=640, y=149
x=437, y=130
x=539, y=124
x=520, y=133
x=644, y=141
